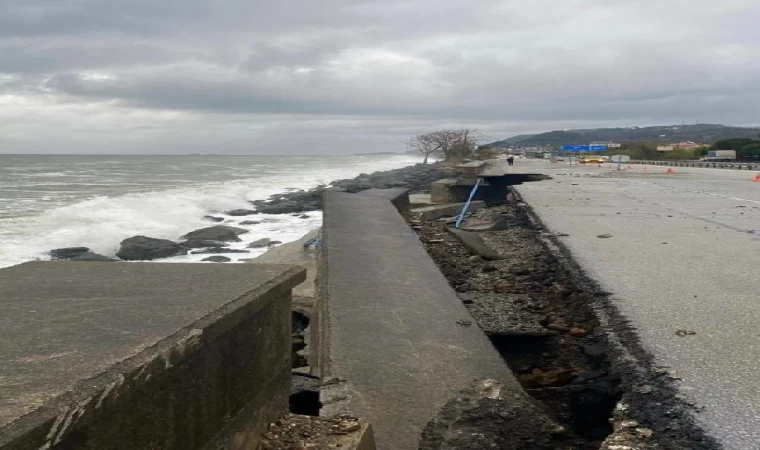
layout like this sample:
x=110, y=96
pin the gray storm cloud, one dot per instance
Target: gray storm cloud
x=342, y=76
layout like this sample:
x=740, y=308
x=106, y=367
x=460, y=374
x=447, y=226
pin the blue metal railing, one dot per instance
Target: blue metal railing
x=466, y=206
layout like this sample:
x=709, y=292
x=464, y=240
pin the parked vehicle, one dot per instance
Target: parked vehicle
x=592, y=159
x=720, y=156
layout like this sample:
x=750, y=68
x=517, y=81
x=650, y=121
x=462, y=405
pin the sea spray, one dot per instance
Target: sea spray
x=100, y=222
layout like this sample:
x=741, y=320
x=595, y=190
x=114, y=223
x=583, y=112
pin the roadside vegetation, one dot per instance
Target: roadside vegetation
x=648, y=151
x=746, y=149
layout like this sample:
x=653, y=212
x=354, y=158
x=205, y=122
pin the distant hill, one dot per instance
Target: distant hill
x=518, y=138
x=701, y=133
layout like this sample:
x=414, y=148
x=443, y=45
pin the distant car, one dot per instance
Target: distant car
x=560, y=158
x=593, y=159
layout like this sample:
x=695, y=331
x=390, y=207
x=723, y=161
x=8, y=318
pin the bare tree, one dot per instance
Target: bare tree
x=425, y=144
x=445, y=140
x=454, y=145
x=457, y=145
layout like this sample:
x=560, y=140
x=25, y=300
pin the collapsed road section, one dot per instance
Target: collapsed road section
x=557, y=332
x=489, y=336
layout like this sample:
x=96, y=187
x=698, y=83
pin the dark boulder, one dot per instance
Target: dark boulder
x=280, y=208
x=358, y=187
x=260, y=243
x=89, y=256
x=241, y=212
x=217, y=250
x=201, y=243
x=222, y=233
x=68, y=252
x=217, y=259
x=293, y=202
x=249, y=222
x=142, y=248
x=214, y=219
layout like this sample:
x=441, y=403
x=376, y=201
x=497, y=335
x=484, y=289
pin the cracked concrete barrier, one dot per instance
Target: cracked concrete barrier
x=143, y=355
x=396, y=343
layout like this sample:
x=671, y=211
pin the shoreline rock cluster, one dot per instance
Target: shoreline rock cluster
x=214, y=239
x=414, y=178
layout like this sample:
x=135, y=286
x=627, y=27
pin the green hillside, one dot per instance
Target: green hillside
x=702, y=133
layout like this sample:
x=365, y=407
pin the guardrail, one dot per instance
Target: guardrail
x=709, y=165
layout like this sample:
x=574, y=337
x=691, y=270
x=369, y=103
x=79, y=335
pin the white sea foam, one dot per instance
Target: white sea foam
x=102, y=222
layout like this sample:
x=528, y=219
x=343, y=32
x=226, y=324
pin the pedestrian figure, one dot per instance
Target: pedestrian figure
x=511, y=160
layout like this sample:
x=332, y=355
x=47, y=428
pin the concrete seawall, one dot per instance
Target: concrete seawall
x=140, y=355
x=396, y=342
x=190, y=356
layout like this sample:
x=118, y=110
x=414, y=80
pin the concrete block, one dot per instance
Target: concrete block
x=453, y=209
x=473, y=241
x=417, y=200
x=109, y=356
x=440, y=190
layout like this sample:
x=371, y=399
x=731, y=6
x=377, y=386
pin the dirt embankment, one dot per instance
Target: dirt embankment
x=558, y=334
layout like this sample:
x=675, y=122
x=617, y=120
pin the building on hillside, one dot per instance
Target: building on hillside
x=533, y=150
x=687, y=145
x=609, y=144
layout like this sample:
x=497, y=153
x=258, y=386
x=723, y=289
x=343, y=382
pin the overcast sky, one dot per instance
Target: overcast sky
x=346, y=76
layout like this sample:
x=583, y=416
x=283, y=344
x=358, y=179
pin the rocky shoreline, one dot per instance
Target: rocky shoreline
x=215, y=239
x=414, y=178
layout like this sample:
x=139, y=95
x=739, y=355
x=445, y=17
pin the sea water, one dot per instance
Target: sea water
x=53, y=201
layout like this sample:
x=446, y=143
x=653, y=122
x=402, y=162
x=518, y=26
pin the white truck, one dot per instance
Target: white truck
x=720, y=156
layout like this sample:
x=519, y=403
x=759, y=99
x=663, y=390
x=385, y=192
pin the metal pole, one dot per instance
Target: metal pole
x=467, y=204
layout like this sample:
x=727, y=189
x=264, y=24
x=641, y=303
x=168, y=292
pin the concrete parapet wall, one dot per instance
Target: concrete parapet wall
x=143, y=356
x=396, y=342
x=399, y=197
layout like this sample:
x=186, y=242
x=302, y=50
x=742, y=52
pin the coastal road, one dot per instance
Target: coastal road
x=681, y=260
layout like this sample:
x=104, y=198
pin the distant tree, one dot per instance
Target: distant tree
x=446, y=140
x=464, y=145
x=640, y=150
x=454, y=145
x=732, y=144
x=681, y=153
x=425, y=144
x=751, y=151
